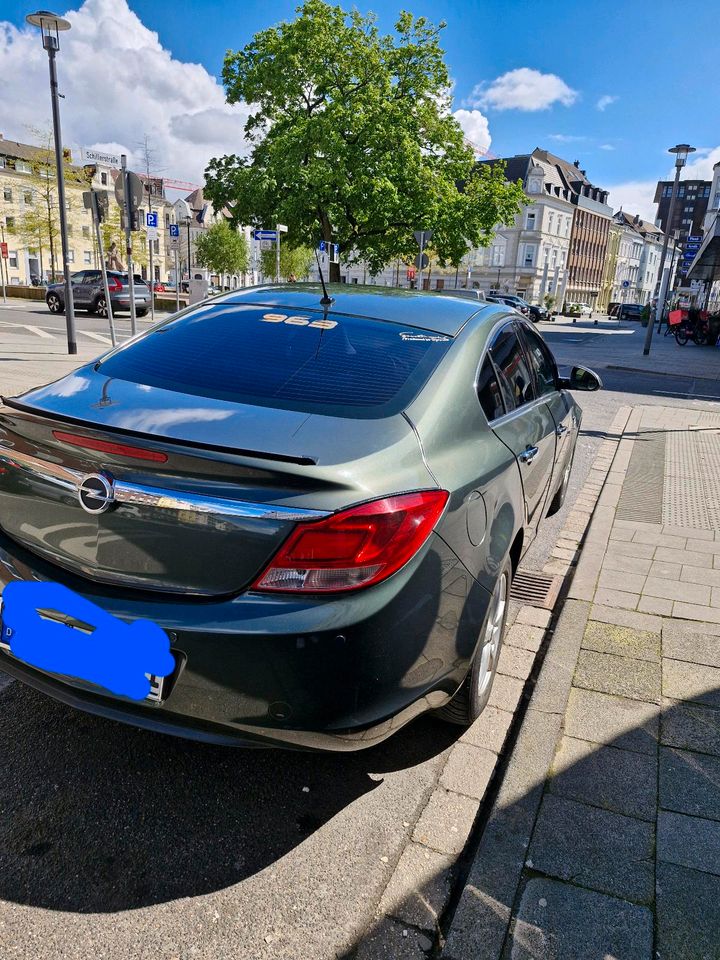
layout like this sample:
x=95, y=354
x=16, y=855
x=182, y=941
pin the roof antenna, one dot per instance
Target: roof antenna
x=326, y=299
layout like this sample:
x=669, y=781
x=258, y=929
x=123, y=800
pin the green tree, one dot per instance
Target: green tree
x=222, y=250
x=294, y=262
x=352, y=140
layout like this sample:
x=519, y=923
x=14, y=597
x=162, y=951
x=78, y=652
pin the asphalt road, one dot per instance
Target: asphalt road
x=124, y=844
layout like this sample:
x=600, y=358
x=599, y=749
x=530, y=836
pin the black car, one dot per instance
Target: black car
x=89, y=293
x=321, y=506
x=629, y=311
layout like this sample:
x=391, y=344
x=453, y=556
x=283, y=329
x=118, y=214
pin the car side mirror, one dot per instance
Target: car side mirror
x=581, y=378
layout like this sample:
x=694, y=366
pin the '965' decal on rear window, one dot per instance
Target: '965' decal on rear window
x=298, y=321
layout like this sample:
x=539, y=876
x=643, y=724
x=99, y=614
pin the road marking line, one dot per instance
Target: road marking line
x=37, y=331
x=96, y=336
x=692, y=396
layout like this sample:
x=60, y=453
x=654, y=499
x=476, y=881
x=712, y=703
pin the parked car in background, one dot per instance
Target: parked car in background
x=536, y=314
x=522, y=306
x=159, y=286
x=577, y=310
x=629, y=311
x=89, y=293
x=322, y=505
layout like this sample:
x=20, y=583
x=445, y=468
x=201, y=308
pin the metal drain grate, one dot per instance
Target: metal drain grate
x=537, y=589
x=641, y=498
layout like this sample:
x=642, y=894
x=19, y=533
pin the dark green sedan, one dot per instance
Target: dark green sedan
x=321, y=504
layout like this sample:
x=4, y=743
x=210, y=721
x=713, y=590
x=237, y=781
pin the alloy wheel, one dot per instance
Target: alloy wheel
x=53, y=302
x=493, y=636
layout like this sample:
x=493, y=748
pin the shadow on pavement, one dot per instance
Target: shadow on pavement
x=597, y=881
x=99, y=817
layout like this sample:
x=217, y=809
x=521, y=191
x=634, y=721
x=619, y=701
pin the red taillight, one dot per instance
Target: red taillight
x=114, y=285
x=106, y=446
x=356, y=547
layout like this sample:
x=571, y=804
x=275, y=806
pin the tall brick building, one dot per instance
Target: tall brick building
x=691, y=206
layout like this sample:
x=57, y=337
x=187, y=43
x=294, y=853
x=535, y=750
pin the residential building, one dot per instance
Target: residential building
x=20, y=194
x=611, y=256
x=691, y=206
x=627, y=267
x=529, y=256
x=590, y=231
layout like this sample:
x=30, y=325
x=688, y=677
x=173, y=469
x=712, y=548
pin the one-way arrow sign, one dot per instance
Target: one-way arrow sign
x=265, y=234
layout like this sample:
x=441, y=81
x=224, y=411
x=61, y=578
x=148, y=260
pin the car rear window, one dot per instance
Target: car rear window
x=307, y=361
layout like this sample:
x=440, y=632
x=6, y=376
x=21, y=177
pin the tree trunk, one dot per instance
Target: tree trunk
x=52, y=247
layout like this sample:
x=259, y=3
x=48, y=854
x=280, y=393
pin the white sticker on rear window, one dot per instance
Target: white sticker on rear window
x=425, y=337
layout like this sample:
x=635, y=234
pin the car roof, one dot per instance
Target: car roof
x=412, y=308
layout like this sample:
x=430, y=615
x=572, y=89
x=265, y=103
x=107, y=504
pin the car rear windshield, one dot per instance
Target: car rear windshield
x=307, y=361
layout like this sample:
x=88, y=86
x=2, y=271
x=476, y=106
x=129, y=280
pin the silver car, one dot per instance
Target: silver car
x=89, y=293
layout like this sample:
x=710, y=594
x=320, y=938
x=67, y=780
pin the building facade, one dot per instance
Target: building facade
x=691, y=205
x=610, y=268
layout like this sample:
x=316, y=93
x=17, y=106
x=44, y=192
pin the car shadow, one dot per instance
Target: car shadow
x=666, y=762
x=100, y=817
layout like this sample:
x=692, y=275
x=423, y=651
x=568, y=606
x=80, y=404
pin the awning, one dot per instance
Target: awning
x=706, y=265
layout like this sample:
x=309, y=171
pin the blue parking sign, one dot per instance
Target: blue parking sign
x=152, y=220
x=174, y=230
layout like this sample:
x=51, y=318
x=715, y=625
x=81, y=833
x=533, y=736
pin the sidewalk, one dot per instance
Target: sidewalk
x=604, y=840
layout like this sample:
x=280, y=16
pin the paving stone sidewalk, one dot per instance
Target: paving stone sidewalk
x=604, y=841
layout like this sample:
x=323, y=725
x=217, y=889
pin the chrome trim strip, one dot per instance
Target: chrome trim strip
x=141, y=495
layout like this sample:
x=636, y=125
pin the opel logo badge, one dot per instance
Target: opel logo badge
x=95, y=493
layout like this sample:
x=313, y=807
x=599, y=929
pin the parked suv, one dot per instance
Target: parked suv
x=89, y=294
x=522, y=306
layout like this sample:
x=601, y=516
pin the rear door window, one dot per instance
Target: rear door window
x=515, y=378
x=295, y=360
x=542, y=361
x=488, y=390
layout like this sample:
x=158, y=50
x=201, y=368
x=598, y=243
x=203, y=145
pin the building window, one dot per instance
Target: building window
x=10, y=223
x=551, y=220
x=86, y=231
x=681, y=190
x=686, y=222
x=529, y=255
x=22, y=167
x=27, y=196
x=87, y=257
x=12, y=258
x=688, y=209
x=7, y=194
x=167, y=220
x=71, y=256
x=706, y=191
x=667, y=191
x=103, y=179
x=530, y=220
x=69, y=230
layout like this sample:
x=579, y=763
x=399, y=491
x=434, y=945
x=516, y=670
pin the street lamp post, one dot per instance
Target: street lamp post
x=50, y=26
x=187, y=221
x=681, y=151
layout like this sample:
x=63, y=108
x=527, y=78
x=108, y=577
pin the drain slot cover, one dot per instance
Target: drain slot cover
x=537, y=589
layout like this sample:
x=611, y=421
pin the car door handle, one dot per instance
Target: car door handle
x=561, y=430
x=529, y=454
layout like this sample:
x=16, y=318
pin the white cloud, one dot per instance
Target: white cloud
x=119, y=83
x=606, y=146
x=605, y=101
x=565, y=137
x=475, y=127
x=700, y=165
x=523, y=89
x=635, y=196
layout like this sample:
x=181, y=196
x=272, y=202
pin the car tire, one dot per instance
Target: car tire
x=472, y=697
x=100, y=306
x=559, y=499
x=142, y=313
x=54, y=303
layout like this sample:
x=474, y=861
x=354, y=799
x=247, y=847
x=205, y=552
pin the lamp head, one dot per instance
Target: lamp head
x=51, y=24
x=681, y=151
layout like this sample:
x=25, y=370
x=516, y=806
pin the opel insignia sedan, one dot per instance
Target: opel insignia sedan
x=321, y=501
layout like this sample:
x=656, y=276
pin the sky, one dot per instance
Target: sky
x=610, y=85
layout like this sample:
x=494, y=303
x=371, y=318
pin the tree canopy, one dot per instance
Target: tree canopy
x=352, y=140
x=222, y=249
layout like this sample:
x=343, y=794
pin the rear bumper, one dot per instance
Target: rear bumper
x=338, y=675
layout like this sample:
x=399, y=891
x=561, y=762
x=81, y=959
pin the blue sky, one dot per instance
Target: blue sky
x=658, y=63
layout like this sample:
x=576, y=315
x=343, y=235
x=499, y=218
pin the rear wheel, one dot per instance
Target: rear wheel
x=472, y=697
x=681, y=336
x=700, y=338
x=100, y=306
x=54, y=303
x=142, y=313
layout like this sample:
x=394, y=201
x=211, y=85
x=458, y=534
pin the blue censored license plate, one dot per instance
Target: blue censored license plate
x=159, y=686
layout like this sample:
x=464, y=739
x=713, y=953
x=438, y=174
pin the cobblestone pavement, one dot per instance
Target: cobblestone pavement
x=609, y=838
